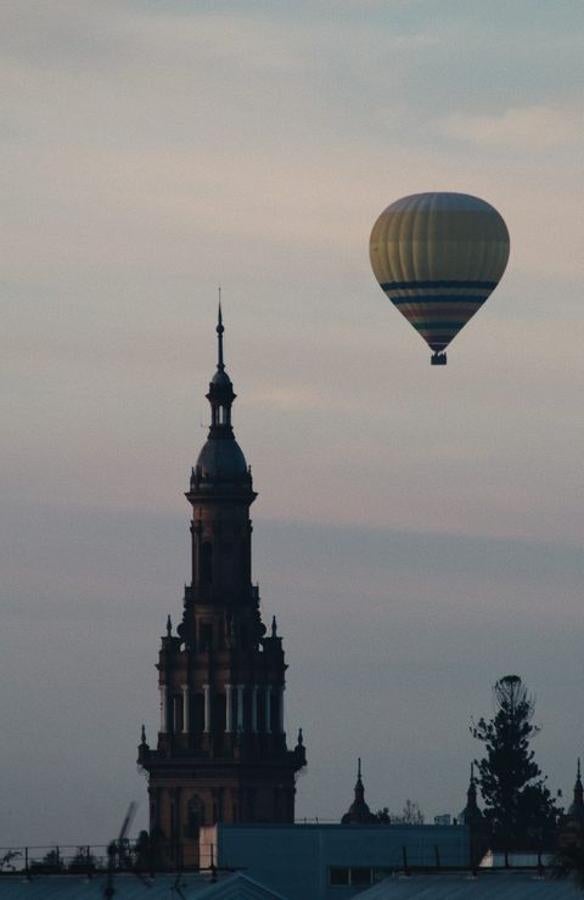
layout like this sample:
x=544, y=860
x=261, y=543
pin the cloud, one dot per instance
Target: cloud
x=533, y=128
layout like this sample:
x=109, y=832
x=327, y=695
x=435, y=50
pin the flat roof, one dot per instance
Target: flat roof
x=486, y=885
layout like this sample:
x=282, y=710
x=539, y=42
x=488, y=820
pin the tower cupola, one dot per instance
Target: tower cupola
x=471, y=814
x=359, y=812
x=221, y=395
x=221, y=460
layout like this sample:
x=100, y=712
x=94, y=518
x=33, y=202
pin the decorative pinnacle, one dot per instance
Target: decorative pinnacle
x=359, y=768
x=220, y=330
x=579, y=769
x=300, y=738
x=143, y=734
x=274, y=627
x=169, y=626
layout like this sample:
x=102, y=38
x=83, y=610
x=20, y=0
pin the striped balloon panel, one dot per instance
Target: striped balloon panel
x=438, y=311
x=439, y=323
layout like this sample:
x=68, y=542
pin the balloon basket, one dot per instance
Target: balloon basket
x=438, y=359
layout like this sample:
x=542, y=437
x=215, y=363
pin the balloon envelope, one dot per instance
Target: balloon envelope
x=437, y=257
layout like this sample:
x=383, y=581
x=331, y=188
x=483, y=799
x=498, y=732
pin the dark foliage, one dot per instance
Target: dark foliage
x=149, y=855
x=83, y=861
x=568, y=862
x=411, y=814
x=51, y=863
x=518, y=806
x=7, y=860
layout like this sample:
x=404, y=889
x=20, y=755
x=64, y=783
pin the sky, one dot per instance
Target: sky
x=418, y=531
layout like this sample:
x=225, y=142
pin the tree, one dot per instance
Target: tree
x=148, y=852
x=83, y=861
x=7, y=860
x=568, y=862
x=518, y=806
x=411, y=814
x=51, y=863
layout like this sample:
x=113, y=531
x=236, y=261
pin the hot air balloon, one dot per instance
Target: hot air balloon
x=438, y=256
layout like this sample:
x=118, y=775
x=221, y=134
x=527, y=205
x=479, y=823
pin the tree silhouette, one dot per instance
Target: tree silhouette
x=411, y=814
x=83, y=861
x=518, y=806
x=50, y=863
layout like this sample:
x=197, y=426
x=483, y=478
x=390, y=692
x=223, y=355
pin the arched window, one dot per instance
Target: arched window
x=206, y=636
x=195, y=815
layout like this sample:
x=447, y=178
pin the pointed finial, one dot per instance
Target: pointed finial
x=274, y=627
x=168, y=626
x=359, y=768
x=579, y=778
x=143, y=734
x=300, y=741
x=220, y=330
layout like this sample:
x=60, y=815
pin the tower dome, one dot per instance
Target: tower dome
x=221, y=461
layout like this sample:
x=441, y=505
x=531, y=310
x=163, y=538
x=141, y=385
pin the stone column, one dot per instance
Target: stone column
x=240, y=707
x=175, y=711
x=254, y=708
x=228, y=708
x=163, y=717
x=186, y=709
x=281, y=711
x=207, y=701
x=268, y=708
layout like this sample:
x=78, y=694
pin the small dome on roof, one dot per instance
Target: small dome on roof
x=222, y=460
x=221, y=378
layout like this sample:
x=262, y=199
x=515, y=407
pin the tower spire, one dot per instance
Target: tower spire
x=221, y=394
x=471, y=814
x=358, y=812
x=220, y=330
x=576, y=810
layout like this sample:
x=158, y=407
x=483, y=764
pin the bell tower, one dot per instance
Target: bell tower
x=221, y=753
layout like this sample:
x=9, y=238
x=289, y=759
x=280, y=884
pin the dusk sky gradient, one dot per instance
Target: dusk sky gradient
x=418, y=531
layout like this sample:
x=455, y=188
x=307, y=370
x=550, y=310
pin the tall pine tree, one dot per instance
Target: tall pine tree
x=518, y=806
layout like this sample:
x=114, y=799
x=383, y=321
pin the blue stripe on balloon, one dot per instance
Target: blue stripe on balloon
x=435, y=298
x=416, y=285
x=448, y=326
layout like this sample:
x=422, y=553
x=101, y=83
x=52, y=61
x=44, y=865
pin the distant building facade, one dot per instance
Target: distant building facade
x=221, y=754
x=324, y=862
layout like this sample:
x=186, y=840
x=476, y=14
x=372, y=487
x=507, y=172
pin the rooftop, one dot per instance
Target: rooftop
x=488, y=884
